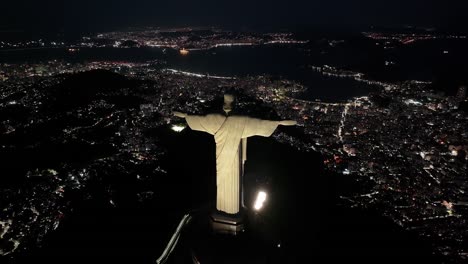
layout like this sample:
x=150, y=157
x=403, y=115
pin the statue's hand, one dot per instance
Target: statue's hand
x=288, y=123
x=180, y=114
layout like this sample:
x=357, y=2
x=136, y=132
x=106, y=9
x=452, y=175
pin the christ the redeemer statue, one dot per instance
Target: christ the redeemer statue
x=230, y=134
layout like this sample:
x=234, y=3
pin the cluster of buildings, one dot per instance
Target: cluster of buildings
x=407, y=146
x=186, y=38
x=32, y=71
x=176, y=38
x=24, y=44
x=390, y=39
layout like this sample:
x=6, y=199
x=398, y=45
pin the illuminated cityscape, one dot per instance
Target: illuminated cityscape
x=96, y=163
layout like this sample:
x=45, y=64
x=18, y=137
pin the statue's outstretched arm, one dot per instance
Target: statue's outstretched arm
x=180, y=114
x=205, y=123
x=287, y=123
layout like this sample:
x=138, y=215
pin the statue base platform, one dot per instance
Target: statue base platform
x=227, y=223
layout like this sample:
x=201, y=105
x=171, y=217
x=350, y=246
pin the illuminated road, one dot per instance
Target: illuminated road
x=198, y=74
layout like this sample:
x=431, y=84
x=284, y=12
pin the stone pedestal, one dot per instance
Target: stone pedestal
x=227, y=223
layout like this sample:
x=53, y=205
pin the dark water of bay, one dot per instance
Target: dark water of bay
x=289, y=62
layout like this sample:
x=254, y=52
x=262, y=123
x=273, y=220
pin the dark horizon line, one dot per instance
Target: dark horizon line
x=322, y=28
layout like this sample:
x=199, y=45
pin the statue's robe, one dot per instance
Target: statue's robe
x=230, y=135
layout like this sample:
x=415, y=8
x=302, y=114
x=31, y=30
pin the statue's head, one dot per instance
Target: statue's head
x=228, y=100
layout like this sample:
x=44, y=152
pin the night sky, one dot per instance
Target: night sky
x=87, y=15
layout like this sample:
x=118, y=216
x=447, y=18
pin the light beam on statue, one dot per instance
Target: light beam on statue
x=261, y=198
x=178, y=128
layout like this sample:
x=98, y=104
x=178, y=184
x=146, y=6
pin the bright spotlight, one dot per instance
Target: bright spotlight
x=178, y=128
x=261, y=197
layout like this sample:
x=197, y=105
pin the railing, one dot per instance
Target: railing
x=174, y=239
